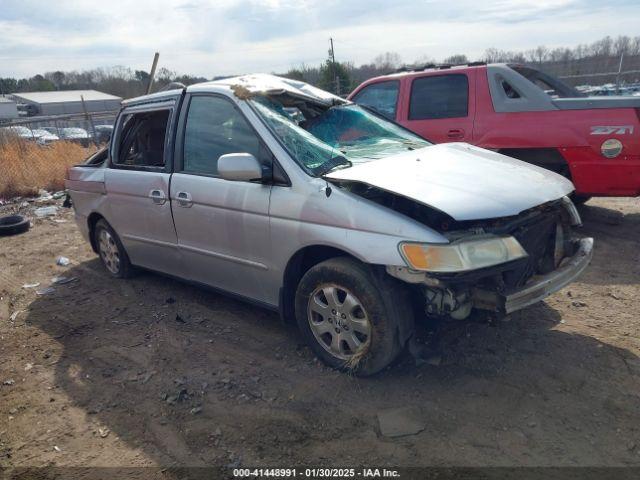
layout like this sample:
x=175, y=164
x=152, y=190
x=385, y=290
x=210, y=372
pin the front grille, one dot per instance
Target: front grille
x=537, y=237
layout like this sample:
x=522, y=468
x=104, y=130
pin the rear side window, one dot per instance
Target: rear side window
x=214, y=128
x=142, y=141
x=443, y=96
x=382, y=97
x=509, y=91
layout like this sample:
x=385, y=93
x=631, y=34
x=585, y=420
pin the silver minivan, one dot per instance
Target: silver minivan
x=346, y=223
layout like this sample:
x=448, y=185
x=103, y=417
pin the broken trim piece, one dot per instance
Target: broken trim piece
x=537, y=290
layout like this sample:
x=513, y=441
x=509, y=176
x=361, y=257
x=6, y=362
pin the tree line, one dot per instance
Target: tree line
x=121, y=81
x=601, y=56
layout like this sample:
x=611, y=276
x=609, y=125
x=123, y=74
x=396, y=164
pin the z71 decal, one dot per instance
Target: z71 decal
x=608, y=130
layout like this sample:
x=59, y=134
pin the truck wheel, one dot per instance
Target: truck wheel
x=345, y=318
x=112, y=253
x=13, y=225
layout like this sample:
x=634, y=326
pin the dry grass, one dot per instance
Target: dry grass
x=26, y=167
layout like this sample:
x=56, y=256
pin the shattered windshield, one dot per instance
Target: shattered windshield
x=321, y=139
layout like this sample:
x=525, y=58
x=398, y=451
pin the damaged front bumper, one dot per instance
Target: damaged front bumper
x=538, y=287
x=541, y=287
x=456, y=296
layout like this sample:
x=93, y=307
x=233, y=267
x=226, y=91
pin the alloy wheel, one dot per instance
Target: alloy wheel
x=109, y=251
x=338, y=321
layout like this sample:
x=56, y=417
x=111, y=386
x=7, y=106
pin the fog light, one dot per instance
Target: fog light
x=611, y=148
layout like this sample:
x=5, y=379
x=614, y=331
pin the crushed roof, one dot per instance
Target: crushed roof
x=273, y=84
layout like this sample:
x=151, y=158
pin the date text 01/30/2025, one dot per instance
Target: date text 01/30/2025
x=315, y=473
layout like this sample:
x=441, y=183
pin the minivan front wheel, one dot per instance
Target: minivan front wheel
x=345, y=318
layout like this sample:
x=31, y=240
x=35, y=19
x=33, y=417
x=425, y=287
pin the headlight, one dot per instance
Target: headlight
x=462, y=256
x=611, y=148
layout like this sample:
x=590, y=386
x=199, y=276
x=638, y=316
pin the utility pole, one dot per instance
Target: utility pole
x=618, y=76
x=89, y=120
x=153, y=72
x=332, y=54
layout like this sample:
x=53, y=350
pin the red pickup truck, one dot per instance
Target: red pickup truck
x=523, y=113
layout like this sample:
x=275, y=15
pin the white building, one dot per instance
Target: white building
x=66, y=101
x=8, y=109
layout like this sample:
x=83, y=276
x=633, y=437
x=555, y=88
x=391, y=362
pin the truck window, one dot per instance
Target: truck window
x=142, y=139
x=214, y=128
x=552, y=86
x=382, y=96
x=442, y=96
x=509, y=91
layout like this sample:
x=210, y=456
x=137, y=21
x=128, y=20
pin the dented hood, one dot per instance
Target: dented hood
x=463, y=181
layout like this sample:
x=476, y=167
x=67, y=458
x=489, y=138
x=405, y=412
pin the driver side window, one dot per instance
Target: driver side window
x=215, y=127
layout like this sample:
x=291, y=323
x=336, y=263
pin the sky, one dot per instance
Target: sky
x=221, y=37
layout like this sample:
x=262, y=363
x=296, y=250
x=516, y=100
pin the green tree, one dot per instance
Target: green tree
x=335, y=78
x=295, y=74
x=141, y=76
x=8, y=85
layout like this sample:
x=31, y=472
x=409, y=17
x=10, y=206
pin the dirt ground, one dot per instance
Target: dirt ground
x=151, y=371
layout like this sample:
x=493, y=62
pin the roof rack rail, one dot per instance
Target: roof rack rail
x=436, y=66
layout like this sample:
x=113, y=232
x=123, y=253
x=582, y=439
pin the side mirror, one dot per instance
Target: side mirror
x=239, y=167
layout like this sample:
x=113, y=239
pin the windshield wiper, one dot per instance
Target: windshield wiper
x=333, y=164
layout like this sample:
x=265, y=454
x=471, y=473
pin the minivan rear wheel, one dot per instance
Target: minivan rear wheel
x=345, y=318
x=112, y=253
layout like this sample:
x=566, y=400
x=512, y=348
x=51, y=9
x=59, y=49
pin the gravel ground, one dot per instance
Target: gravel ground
x=154, y=372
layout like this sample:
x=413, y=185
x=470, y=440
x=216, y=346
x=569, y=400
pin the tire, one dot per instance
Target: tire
x=112, y=254
x=361, y=335
x=13, y=225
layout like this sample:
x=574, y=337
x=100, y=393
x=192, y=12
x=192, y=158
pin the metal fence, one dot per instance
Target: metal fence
x=93, y=123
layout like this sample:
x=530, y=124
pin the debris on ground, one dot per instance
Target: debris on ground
x=182, y=395
x=63, y=261
x=45, y=291
x=31, y=285
x=400, y=422
x=43, y=196
x=9, y=382
x=46, y=211
x=14, y=315
x=103, y=432
x=61, y=280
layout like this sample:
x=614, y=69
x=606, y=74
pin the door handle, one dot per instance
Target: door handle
x=158, y=197
x=184, y=199
x=455, y=133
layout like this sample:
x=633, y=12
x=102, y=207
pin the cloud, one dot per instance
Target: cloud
x=217, y=37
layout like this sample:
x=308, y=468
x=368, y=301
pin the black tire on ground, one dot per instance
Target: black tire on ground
x=383, y=306
x=122, y=268
x=13, y=225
